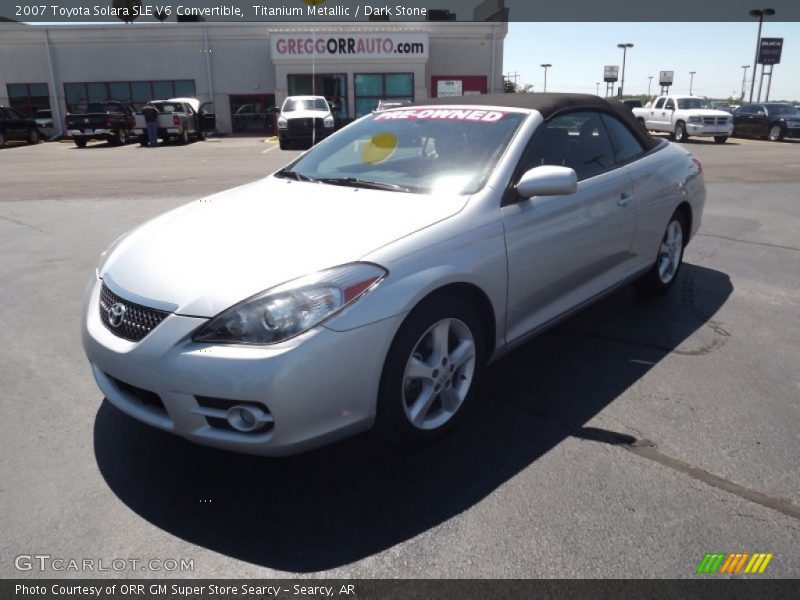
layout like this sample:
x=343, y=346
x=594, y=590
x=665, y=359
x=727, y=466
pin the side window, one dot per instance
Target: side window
x=670, y=105
x=626, y=146
x=659, y=103
x=577, y=140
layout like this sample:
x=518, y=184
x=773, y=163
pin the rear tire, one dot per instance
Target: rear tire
x=183, y=137
x=775, y=133
x=430, y=372
x=720, y=139
x=283, y=144
x=2, y=140
x=680, y=134
x=81, y=142
x=120, y=139
x=660, y=278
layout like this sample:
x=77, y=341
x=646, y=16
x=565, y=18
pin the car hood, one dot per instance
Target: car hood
x=305, y=114
x=212, y=253
x=705, y=112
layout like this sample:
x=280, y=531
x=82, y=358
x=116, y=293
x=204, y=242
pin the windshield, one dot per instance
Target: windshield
x=168, y=107
x=305, y=104
x=685, y=103
x=781, y=109
x=440, y=150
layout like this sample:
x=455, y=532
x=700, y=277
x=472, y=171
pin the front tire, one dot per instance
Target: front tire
x=81, y=142
x=2, y=139
x=430, y=371
x=720, y=139
x=775, y=133
x=183, y=137
x=120, y=139
x=680, y=132
x=33, y=136
x=660, y=278
x=283, y=144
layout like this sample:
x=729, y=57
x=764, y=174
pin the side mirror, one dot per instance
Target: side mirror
x=761, y=113
x=547, y=180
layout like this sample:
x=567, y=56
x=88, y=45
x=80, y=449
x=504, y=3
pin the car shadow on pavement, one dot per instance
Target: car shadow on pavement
x=351, y=500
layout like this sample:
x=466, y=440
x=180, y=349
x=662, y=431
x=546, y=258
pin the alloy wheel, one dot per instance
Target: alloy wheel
x=438, y=374
x=670, y=252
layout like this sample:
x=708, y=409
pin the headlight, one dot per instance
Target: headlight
x=328, y=122
x=292, y=308
x=282, y=123
x=695, y=120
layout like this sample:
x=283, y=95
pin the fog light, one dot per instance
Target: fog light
x=245, y=418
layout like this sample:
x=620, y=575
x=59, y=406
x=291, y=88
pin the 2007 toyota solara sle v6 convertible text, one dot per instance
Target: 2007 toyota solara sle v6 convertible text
x=367, y=283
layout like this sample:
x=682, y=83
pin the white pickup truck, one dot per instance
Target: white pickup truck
x=685, y=116
x=179, y=118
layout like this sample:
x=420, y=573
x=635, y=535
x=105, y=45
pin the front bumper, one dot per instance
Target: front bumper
x=701, y=130
x=318, y=387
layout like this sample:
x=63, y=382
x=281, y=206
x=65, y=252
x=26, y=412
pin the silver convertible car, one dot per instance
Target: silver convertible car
x=366, y=284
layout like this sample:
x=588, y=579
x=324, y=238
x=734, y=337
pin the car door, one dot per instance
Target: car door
x=563, y=250
x=208, y=117
x=761, y=121
x=657, y=115
x=740, y=119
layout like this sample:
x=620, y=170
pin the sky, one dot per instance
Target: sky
x=716, y=51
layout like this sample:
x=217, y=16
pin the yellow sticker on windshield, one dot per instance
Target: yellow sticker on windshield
x=379, y=148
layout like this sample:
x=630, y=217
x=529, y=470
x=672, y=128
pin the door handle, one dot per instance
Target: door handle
x=624, y=199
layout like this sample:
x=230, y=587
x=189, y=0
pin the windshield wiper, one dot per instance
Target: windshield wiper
x=363, y=183
x=289, y=174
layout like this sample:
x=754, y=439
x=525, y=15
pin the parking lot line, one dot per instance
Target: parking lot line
x=271, y=148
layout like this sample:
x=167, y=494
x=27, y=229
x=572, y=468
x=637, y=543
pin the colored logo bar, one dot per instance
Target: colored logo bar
x=734, y=563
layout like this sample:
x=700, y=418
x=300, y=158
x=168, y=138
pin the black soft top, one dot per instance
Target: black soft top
x=552, y=104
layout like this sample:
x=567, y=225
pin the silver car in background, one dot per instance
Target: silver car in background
x=367, y=283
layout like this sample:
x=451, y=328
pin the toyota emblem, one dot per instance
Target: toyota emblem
x=116, y=314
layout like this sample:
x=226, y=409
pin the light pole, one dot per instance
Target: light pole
x=760, y=13
x=545, y=66
x=598, y=88
x=691, y=81
x=649, y=81
x=744, y=80
x=624, y=54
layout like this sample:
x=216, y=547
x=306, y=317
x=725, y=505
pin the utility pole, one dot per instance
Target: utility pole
x=624, y=54
x=545, y=66
x=513, y=76
x=744, y=81
x=598, y=88
x=691, y=81
x=649, y=81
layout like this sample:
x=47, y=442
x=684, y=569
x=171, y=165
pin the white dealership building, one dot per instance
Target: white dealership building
x=246, y=68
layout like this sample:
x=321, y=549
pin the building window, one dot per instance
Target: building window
x=253, y=113
x=371, y=87
x=137, y=93
x=27, y=98
x=331, y=85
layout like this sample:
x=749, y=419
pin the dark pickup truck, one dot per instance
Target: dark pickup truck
x=112, y=121
x=14, y=127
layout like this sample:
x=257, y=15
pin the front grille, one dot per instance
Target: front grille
x=145, y=397
x=136, y=321
x=709, y=120
x=305, y=126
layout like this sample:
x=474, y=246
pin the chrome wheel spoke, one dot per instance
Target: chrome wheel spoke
x=422, y=405
x=463, y=352
x=440, y=340
x=417, y=369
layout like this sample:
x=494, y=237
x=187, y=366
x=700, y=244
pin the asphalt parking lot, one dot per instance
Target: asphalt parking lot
x=626, y=442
